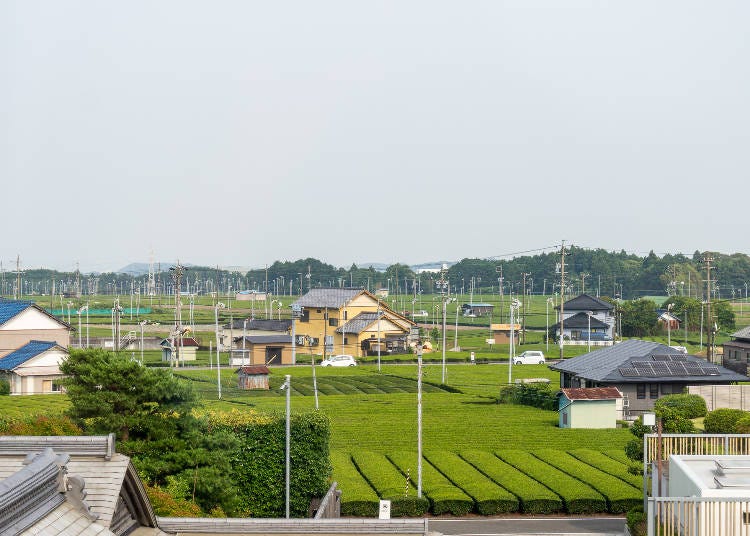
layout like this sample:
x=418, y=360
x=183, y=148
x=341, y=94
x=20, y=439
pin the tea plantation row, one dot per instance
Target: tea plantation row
x=580, y=481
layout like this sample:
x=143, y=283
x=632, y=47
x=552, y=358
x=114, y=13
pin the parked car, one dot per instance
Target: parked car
x=339, y=361
x=421, y=314
x=529, y=357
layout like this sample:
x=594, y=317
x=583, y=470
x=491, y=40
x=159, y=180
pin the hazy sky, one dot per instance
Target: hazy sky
x=239, y=133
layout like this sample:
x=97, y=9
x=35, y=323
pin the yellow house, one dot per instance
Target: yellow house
x=351, y=321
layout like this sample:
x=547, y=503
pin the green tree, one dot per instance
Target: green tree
x=638, y=318
x=110, y=392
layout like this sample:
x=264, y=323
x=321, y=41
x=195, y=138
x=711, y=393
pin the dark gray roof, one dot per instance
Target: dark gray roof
x=581, y=320
x=267, y=339
x=359, y=323
x=263, y=325
x=744, y=333
x=604, y=365
x=334, y=298
x=584, y=302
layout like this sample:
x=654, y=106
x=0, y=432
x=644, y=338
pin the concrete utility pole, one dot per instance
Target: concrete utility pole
x=525, y=300
x=562, y=298
x=177, y=274
x=500, y=279
x=707, y=260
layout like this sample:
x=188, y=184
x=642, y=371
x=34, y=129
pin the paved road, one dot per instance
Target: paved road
x=588, y=526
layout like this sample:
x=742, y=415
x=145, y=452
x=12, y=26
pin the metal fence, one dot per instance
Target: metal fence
x=698, y=516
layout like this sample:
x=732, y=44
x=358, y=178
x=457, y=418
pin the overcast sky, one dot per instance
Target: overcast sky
x=240, y=133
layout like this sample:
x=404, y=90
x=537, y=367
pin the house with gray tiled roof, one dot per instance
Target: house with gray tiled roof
x=737, y=351
x=23, y=321
x=331, y=320
x=34, y=368
x=643, y=371
x=575, y=325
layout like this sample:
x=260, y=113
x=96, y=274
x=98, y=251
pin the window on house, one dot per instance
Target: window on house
x=640, y=390
x=333, y=321
x=346, y=340
x=565, y=417
x=305, y=316
x=346, y=315
x=653, y=390
x=56, y=387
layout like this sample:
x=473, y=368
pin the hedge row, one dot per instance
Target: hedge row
x=390, y=484
x=608, y=465
x=489, y=498
x=357, y=497
x=579, y=498
x=620, y=496
x=445, y=498
x=618, y=455
x=534, y=497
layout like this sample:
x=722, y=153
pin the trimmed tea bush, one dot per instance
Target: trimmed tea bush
x=579, y=498
x=390, y=484
x=357, y=497
x=620, y=496
x=489, y=498
x=445, y=498
x=533, y=496
x=608, y=465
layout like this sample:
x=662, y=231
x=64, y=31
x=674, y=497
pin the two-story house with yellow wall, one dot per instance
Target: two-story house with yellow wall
x=351, y=321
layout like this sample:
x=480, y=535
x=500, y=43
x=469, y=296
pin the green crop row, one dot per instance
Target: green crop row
x=608, y=465
x=620, y=495
x=445, y=498
x=534, y=497
x=579, y=498
x=489, y=498
x=618, y=455
x=357, y=497
x=390, y=484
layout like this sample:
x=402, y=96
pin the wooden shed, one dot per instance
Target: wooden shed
x=262, y=350
x=253, y=377
x=501, y=333
x=593, y=407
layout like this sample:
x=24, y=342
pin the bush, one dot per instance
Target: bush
x=608, y=465
x=489, y=498
x=723, y=420
x=39, y=425
x=4, y=387
x=743, y=425
x=636, y=521
x=579, y=498
x=357, y=497
x=390, y=484
x=534, y=497
x=634, y=449
x=445, y=498
x=538, y=396
x=687, y=406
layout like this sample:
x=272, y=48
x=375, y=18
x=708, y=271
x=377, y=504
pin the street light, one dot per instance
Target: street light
x=218, y=306
x=287, y=387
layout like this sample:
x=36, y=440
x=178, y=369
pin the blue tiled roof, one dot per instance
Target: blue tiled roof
x=10, y=308
x=23, y=354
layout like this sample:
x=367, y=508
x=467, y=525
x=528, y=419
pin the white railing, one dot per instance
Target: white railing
x=698, y=516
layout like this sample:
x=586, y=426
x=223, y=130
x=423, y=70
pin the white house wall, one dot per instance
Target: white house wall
x=30, y=319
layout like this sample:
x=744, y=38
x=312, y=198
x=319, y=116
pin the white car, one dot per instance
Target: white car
x=529, y=357
x=339, y=361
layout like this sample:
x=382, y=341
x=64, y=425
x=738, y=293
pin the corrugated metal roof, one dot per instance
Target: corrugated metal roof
x=254, y=370
x=328, y=297
x=24, y=353
x=592, y=393
x=10, y=308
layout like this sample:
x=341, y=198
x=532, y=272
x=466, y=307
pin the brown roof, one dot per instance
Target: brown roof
x=592, y=393
x=254, y=370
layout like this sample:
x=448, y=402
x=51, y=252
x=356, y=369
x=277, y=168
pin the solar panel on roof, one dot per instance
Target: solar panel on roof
x=710, y=371
x=661, y=369
x=644, y=368
x=679, y=357
x=661, y=357
x=676, y=369
x=629, y=372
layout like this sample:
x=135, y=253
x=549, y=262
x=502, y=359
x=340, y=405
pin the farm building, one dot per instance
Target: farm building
x=34, y=368
x=595, y=407
x=477, y=309
x=501, y=333
x=666, y=318
x=250, y=295
x=262, y=350
x=643, y=371
x=575, y=321
x=188, y=349
x=21, y=322
x=253, y=377
x=737, y=351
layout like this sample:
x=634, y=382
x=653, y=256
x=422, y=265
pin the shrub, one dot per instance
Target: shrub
x=538, y=396
x=357, y=497
x=636, y=521
x=620, y=495
x=39, y=425
x=608, y=465
x=444, y=497
x=686, y=405
x=723, y=420
x=4, y=387
x=579, y=498
x=743, y=425
x=167, y=506
x=390, y=484
x=533, y=496
x=489, y=498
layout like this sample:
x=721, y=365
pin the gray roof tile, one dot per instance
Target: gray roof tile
x=334, y=298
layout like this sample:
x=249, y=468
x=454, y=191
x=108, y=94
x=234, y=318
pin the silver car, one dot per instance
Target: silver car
x=342, y=360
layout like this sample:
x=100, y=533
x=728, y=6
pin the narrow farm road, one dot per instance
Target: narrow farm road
x=558, y=526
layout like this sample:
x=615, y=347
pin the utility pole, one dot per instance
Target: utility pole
x=562, y=298
x=523, y=314
x=177, y=273
x=707, y=260
x=443, y=283
x=584, y=275
x=17, y=293
x=499, y=269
